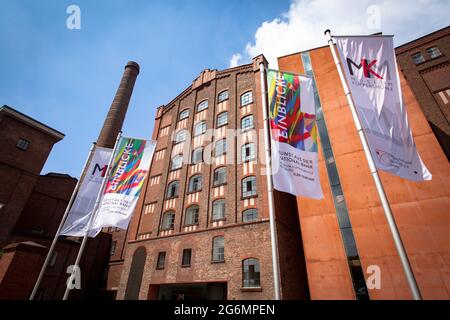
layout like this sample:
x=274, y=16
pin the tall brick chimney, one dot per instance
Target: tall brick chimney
x=116, y=114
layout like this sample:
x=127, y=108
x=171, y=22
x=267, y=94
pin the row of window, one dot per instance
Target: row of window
x=250, y=266
x=221, y=120
x=192, y=215
x=219, y=178
x=433, y=52
x=246, y=99
x=248, y=153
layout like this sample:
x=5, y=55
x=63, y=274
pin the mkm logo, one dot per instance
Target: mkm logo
x=101, y=169
x=368, y=68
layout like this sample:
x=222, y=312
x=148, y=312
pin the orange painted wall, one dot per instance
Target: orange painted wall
x=422, y=210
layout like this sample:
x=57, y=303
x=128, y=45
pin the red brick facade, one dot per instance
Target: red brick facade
x=242, y=239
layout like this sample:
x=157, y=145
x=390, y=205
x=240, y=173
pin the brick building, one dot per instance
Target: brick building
x=201, y=229
x=346, y=233
x=32, y=208
x=425, y=63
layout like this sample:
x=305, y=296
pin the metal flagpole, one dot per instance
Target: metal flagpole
x=273, y=232
x=61, y=224
x=91, y=219
x=381, y=193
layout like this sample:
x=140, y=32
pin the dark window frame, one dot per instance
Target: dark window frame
x=186, y=255
x=161, y=260
x=220, y=254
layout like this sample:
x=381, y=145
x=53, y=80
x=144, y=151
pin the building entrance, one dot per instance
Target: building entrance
x=194, y=291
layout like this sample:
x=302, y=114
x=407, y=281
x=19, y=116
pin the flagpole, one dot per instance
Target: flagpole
x=273, y=232
x=381, y=193
x=91, y=219
x=61, y=224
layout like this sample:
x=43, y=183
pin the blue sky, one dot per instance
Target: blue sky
x=68, y=78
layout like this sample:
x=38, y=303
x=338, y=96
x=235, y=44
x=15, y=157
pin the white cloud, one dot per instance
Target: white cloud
x=302, y=27
x=234, y=61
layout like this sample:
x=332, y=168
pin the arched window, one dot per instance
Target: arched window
x=135, y=275
x=181, y=136
x=177, y=162
x=183, y=114
x=195, y=183
x=220, y=147
x=222, y=119
x=223, y=96
x=248, y=152
x=246, y=98
x=247, y=123
x=197, y=156
x=202, y=105
x=249, y=186
x=250, y=215
x=250, y=273
x=218, y=249
x=191, y=217
x=218, y=210
x=168, y=220
x=172, y=189
x=220, y=176
x=200, y=128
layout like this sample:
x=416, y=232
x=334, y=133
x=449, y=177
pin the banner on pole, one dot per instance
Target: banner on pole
x=130, y=166
x=293, y=127
x=371, y=70
x=77, y=220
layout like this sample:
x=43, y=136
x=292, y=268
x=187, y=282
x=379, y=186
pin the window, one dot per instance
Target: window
x=197, y=156
x=249, y=186
x=168, y=220
x=202, y=105
x=218, y=210
x=223, y=96
x=248, y=152
x=52, y=262
x=172, y=189
x=113, y=248
x=200, y=128
x=183, y=114
x=418, y=58
x=218, y=249
x=186, y=260
x=181, y=136
x=191, y=215
x=247, y=123
x=220, y=176
x=250, y=215
x=161, y=260
x=246, y=98
x=23, y=144
x=195, y=183
x=221, y=147
x=177, y=162
x=250, y=273
x=222, y=119
x=434, y=52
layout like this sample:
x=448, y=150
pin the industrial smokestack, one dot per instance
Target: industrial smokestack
x=116, y=114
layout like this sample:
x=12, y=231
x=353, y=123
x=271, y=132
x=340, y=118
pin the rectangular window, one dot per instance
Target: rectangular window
x=218, y=254
x=161, y=260
x=222, y=119
x=221, y=147
x=113, y=248
x=218, y=210
x=186, y=261
x=434, y=52
x=23, y=144
x=418, y=58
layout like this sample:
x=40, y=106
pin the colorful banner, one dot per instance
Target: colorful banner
x=294, y=134
x=130, y=166
x=77, y=220
x=371, y=71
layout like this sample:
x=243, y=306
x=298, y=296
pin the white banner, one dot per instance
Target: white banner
x=371, y=70
x=78, y=218
x=292, y=116
x=131, y=163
